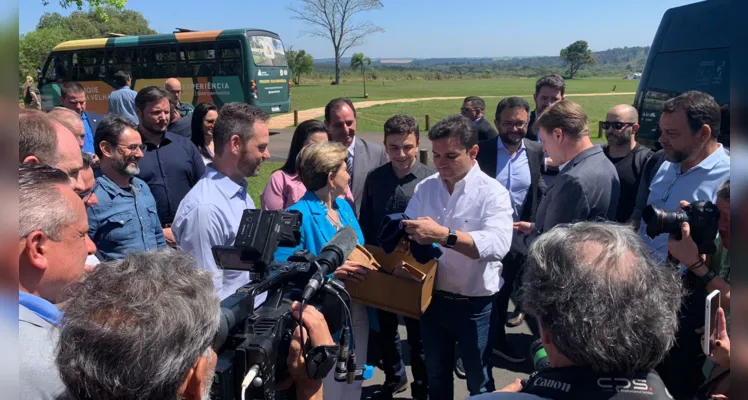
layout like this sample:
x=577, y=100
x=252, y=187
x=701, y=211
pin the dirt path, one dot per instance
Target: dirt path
x=286, y=120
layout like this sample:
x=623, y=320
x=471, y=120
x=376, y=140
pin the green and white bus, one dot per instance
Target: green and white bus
x=236, y=65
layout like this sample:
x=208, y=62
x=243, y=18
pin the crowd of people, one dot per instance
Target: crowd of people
x=119, y=213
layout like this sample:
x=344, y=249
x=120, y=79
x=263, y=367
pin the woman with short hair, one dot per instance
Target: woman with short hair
x=322, y=170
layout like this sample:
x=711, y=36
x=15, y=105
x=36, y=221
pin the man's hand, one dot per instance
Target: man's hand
x=721, y=348
x=524, y=227
x=169, y=237
x=425, y=230
x=684, y=250
x=513, y=387
x=316, y=330
x=351, y=271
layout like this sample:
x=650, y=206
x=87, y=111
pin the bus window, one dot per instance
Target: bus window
x=57, y=69
x=89, y=65
x=229, y=58
x=123, y=59
x=198, y=59
x=267, y=51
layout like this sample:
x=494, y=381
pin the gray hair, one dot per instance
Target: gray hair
x=42, y=207
x=605, y=303
x=37, y=137
x=236, y=119
x=134, y=327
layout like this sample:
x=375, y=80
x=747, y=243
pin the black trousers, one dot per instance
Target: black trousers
x=391, y=349
x=511, y=271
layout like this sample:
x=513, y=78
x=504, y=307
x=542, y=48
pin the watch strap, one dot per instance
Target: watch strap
x=708, y=277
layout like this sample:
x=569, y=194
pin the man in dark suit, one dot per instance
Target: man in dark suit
x=73, y=97
x=587, y=186
x=363, y=156
x=517, y=163
x=474, y=108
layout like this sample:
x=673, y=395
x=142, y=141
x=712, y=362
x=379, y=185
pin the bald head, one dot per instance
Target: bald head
x=626, y=111
x=71, y=120
x=620, y=125
x=174, y=86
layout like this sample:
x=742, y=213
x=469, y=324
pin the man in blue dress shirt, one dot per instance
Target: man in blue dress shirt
x=171, y=165
x=73, y=97
x=125, y=220
x=122, y=100
x=211, y=212
x=53, y=246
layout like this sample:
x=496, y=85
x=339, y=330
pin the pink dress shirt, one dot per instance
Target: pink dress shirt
x=284, y=190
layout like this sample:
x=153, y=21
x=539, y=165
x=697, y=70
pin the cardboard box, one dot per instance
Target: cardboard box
x=396, y=282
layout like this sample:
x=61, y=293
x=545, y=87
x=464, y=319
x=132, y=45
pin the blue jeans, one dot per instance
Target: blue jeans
x=466, y=321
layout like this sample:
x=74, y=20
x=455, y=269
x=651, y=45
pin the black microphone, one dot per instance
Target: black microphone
x=333, y=255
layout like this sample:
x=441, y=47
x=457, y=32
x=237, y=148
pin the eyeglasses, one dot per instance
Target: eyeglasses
x=134, y=147
x=85, y=196
x=617, y=125
x=517, y=125
x=465, y=109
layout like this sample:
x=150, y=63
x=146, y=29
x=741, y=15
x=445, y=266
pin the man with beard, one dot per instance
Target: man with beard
x=211, y=212
x=695, y=163
x=517, y=163
x=549, y=90
x=125, y=220
x=171, y=164
x=629, y=157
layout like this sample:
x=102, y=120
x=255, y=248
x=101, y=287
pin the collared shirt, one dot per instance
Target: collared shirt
x=88, y=140
x=170, y=169
x=352, y=148
x=122, y=103
x=125, y=220
x=41, y=307
x=185, y=109
x=669, y=186
x=209, y=216
x=479, y=206
x=513, y=172
x=477, y=121
x=385, y=193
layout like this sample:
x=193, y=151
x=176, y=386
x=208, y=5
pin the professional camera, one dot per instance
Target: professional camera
x=703, y=216
x=256, y=322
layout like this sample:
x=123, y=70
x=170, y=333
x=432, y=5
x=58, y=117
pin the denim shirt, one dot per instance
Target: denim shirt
x=124, y=221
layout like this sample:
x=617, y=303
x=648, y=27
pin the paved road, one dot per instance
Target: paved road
x=504, y=373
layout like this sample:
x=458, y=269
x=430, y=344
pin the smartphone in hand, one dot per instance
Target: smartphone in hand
x=710, y=322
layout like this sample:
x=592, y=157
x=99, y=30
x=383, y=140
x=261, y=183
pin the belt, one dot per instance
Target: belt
x=455, y=296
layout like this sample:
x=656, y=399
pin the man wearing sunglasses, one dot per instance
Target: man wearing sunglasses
x=125, y=219
x=628, y=156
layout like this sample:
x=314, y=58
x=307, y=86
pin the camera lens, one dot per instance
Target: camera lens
x=539, y=357
x=660, y=221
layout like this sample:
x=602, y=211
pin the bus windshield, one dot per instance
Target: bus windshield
x=267, y=51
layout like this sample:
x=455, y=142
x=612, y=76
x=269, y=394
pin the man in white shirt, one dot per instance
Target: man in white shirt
x=469, y=215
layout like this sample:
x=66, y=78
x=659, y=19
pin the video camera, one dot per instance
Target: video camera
x=254, y=335
x=702, y=216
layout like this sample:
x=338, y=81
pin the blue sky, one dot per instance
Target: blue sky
x=421, y=28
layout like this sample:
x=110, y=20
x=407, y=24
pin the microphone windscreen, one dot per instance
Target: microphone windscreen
x=345, y=240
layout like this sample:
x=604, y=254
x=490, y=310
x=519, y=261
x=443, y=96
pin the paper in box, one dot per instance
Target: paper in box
x=396, y=282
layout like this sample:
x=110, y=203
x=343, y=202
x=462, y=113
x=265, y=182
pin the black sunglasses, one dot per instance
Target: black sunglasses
x=617, y=125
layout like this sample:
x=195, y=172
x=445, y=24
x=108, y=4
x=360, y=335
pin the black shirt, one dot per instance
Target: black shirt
x=170, y=169
x=629, y=170
x=385, y=193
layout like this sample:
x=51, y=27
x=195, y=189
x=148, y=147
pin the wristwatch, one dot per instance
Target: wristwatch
x=708, y=277
x=451, y=239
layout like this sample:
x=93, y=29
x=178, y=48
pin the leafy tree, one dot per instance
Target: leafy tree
x=360, y=61
x=577, y=55
x=53, y=28
x=97, y=6
x=333, y=20
x=299, y=62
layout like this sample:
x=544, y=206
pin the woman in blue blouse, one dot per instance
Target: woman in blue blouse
x=322, y=170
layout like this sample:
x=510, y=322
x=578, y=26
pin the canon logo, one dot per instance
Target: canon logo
x=550, y=383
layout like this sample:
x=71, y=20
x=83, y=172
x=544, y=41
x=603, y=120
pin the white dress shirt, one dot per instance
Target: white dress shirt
x=479, y=206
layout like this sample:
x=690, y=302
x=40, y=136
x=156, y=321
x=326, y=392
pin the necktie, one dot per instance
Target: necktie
x=349, y=168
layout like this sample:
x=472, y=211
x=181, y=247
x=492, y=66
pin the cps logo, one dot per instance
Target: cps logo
x=623, y=384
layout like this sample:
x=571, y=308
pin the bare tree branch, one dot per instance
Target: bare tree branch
x=333, y=20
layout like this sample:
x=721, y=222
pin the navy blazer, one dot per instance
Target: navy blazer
x=93, y=120
x=487, y=157
x=485, y=130
x=586, y=189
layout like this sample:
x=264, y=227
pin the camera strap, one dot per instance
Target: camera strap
x=320, y=360
x=583, y=383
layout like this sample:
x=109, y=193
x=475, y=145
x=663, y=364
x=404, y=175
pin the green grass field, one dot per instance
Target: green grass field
x=371, y=119
x=304, y=97
x=257, y=183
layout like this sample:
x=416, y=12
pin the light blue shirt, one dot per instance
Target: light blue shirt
x=669, y=186
x=209, y=216
x=514, y=173
x=122, y=103
x=41, y=307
